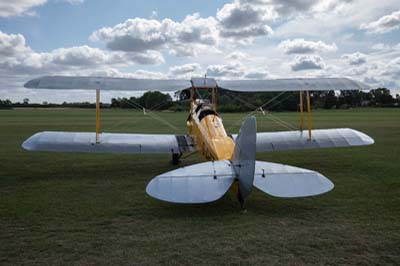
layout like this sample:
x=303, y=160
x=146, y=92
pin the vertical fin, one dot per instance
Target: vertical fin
x=245, y=155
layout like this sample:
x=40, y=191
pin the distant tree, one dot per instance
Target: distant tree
x=330, y=100
x=382, y=97
x=26, y=101
x=154, y=99
x=6, y=104
x=115, y=102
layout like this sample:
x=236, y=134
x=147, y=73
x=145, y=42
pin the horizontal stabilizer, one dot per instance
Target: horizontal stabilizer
x=109, y=143
x=198, y=183
x=321, y=138
x=289, y=182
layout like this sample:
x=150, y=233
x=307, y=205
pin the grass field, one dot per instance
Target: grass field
x=92, y=209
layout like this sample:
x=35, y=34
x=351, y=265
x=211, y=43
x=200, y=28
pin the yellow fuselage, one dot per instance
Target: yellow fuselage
x=209, y=134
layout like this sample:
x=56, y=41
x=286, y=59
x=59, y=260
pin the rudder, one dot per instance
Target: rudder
x=245, y=155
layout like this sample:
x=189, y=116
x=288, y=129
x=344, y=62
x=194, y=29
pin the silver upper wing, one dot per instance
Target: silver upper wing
x=297, y=84
x=106, y=83
x=321, y=138
x=109, y=143
x=129, y=84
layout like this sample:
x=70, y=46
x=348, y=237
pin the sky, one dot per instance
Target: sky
x=239, y=39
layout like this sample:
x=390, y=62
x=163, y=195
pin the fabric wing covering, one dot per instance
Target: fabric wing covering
x=129, y=84
x=109, y=143
x=209, y=181
x=321, y=138
x=106, y=83
x=198, y=183
x=300, y=84
x=286, y=181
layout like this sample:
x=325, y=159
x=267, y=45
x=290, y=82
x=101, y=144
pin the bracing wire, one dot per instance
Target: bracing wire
x=268, y=115
x=150, y=113
x=153, y=108
x=157, y=117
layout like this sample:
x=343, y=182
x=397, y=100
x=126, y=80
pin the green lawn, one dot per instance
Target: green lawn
x=92, y=209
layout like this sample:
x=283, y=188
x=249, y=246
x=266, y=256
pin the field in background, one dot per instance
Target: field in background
x=92, y=209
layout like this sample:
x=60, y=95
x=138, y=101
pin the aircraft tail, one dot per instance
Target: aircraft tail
x=274, y=179
x=244, y=157
x=209, y=181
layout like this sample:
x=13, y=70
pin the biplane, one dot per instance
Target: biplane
x=230, y=160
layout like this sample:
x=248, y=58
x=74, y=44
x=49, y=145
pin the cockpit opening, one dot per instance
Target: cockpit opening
x=206, y=112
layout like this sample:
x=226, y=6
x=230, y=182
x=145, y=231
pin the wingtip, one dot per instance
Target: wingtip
x=367, y=140
x=30, y=144
x=26, y=145
x=31, y=84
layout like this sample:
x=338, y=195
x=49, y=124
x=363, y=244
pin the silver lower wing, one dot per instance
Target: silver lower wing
x=109, y=143
x=321, y=138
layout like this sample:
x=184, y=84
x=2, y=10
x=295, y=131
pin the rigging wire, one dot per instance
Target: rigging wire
x=157, y=117
x=150, y=113
x=268, y=114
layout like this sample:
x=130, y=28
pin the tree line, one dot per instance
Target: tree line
x=229, y=101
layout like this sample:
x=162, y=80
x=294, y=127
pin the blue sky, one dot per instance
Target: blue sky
x=178, y=39
x=61, y=24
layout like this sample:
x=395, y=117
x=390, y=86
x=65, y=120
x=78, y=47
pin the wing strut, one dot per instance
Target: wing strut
x=301, y=111
x=301, y=105
x=308, y=114
x=97, y=115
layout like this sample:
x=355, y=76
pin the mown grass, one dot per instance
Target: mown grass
x=92, y=209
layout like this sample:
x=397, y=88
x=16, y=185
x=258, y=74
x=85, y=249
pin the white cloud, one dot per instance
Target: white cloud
x=237, y=56
x=12, y=45
x=301, y=46
x=20, y=7
x=384, y=24
x=290, y=8
x=333, y=18
x=242, y=20
x=392, y=68
x=381, y=47
x=255, y=74
x=305, y=62
x=225, y=71
x=356, y=58
x=287, y=7
x=18, y=58
x=179, y=38
x=184, y=69
x=248, y=32
x=10, y=8
x=357, y=71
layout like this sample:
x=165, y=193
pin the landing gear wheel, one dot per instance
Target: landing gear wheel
x=175, y=158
